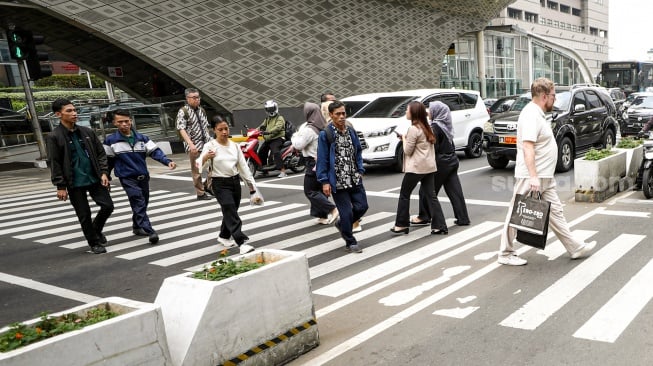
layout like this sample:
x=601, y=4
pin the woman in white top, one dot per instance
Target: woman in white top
x=419, y=166
x=227, y=166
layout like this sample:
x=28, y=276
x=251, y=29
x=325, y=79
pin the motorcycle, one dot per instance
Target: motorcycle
x=291, y=157
x=645, y=175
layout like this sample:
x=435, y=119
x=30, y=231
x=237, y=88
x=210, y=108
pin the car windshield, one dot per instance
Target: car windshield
x=561, y=103
x=353, y=106
x=386, y=107
x=643, y=102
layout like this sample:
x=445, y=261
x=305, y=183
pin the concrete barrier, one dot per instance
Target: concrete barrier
x=135, y=337
x=261, y=317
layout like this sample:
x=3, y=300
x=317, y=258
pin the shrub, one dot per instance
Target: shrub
x=594, y=154
x=68, y=81
x=225, y=268
x=629, y=143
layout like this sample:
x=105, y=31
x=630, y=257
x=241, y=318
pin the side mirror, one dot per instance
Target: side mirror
x=579, y=108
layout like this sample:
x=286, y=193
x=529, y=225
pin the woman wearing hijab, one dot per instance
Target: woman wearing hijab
x=447, y=162
x=305, y=139
x=419, y=166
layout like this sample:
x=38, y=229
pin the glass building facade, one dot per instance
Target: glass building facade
x=512, y=61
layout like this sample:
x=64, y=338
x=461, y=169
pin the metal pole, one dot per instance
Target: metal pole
x=112, y=97
x=38, y=135
x=88, y=76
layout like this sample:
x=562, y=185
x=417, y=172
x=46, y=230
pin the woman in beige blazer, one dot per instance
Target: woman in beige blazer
x=419, y=166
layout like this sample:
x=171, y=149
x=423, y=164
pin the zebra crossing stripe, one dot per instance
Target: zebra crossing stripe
x=121, y=207
x=556, y=249
x=541, y=307
x=607, y=324
x=210, y=236
x=213, y=249
x=375, y=273
x=65, y=211
x=189, y=224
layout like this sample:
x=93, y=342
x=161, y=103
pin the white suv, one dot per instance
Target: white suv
x=386, y=113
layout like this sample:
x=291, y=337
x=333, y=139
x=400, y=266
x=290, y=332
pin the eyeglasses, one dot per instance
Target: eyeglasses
x=194, y=97
x=340, y=113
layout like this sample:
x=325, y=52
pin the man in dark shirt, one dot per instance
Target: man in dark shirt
x=340, y=171
x=78, y=166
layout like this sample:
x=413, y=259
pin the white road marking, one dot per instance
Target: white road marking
x=626, y=213
x=458, y=313
x=541, y=307
x=405, y=296
x=611, y=320
x=45, y=288
x=556, y=249
x=370, y=275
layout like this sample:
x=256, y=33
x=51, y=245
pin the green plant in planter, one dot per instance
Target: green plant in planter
x=594, y=154
x=20, y=335
x=629, y=143
x=225, y=268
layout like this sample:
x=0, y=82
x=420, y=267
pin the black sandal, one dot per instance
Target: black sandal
x=419, y=223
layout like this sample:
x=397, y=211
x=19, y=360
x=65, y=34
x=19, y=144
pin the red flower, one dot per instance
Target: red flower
x=19, y=336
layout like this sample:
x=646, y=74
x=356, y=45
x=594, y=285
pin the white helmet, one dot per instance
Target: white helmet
x=271, y=108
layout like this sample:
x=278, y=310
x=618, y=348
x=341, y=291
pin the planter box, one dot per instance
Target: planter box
x=599, y=178
x=633, y=160
x=136, y=337
x=263, y=317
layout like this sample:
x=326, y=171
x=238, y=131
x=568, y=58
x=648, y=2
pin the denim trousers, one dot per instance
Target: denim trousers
x=352, y=205
x=138, y=192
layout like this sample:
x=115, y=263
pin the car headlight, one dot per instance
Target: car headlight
x=488, y=127
x=380, y=133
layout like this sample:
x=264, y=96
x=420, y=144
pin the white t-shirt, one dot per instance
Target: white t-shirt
x=228, y=161
x=534, y=126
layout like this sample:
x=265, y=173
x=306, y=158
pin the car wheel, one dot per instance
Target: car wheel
x=647, y=183
x=474, y=146
x=608, y=139
x=399, y=159
x=499, y=162
x=565, y=155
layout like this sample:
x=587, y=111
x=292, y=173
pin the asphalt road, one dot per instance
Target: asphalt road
x=413, y=299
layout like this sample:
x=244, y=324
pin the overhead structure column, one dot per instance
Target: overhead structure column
x=480, y=60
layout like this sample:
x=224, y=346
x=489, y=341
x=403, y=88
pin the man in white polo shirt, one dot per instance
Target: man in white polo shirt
x=537, y=155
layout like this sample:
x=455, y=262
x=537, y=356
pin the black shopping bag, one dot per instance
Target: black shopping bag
x=530, y=216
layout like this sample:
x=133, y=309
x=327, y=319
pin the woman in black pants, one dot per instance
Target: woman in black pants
x=447, y=163
x=227, y=166
x=305, y=139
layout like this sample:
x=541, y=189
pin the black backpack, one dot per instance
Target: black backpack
x=290, y=130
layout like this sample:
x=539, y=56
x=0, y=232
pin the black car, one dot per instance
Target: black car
x=502, y=104
x=582, y=117
x=14, y=123
x=638, y=113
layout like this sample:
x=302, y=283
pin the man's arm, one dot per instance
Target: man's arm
x=529, y=160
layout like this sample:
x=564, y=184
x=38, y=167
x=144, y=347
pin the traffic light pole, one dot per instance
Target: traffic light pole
x=38, y=135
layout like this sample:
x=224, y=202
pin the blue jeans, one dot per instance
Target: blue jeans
x=352, y=205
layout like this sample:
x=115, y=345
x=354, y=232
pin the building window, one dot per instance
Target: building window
x=542, y=21
x=549, y=22
x=530, y=17
x=600, y=2
x=575, y=12
x=514, y=13
x=603, y=34
x=556, y=23
x=542, y=3
x=594, y=31
x=565, y=9
x=552, y=5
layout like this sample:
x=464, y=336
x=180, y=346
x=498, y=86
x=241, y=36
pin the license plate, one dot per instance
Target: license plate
x=508, y=140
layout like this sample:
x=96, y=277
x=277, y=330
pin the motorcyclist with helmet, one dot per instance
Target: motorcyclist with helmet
x=274, y=130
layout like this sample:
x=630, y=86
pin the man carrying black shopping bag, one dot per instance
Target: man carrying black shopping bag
x=537, y=155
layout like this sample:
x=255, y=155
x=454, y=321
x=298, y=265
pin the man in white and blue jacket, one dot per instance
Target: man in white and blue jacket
x=126, y=151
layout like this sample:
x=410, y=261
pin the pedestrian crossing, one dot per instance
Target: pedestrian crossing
x=188, y=231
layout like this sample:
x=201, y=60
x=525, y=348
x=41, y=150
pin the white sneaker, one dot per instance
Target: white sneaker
x=356, y=227
x=246, y=248
x=227, y=243
x=324, y=221
x=333, y=216
x=512, y=260
x=584, y=251
x=282, y=175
